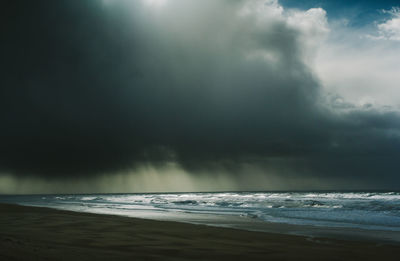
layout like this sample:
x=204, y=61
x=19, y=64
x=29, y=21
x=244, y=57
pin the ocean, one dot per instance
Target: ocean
x=357, y=210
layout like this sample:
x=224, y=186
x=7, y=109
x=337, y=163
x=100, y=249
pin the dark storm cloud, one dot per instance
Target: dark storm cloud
x=101, y=86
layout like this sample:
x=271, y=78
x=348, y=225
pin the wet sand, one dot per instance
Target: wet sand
x=32, y=233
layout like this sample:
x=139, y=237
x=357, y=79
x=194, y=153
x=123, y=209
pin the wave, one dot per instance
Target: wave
x=353, y=209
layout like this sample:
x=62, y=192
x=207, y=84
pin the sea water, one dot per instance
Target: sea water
x=362, y=210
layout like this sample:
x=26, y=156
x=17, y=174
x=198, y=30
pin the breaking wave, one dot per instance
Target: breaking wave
x=367, y=210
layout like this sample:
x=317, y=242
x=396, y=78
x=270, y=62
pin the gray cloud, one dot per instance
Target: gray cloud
x=95, y=88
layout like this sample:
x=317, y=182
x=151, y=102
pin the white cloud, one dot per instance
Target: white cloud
x=362, y=70
x=313, y=25
x=313, y=22
x=390, y=29
x=266, y=9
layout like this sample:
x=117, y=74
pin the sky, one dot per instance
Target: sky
x=185, y=95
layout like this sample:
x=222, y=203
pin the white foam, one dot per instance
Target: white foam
x=369, y=210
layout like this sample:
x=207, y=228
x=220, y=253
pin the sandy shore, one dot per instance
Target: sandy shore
x=30, y=233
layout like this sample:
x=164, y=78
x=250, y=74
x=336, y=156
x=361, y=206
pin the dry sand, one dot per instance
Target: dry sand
x=31, y=233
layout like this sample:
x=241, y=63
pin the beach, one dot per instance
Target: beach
x=33, y=233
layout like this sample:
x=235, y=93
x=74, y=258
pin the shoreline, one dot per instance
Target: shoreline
x=38, y=233
x=256, y=225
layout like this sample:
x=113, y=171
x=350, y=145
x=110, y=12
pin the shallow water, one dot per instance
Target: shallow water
x=363, y=210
